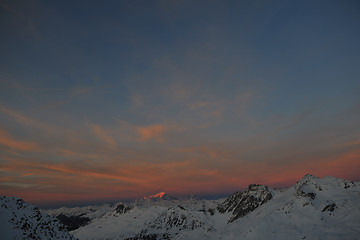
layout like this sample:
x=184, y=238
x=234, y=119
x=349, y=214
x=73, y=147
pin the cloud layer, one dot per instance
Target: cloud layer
x=119, y=101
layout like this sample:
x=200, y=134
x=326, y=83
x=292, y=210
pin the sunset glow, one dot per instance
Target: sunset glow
x=120, y=100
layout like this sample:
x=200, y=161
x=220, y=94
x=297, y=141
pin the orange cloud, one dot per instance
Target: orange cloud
x=72, y=178
x=88, y=171
x=152, y=132
x=84, y=179
x=32, y=167
x=7, y=141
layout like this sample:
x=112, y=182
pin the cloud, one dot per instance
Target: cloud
x=22, y=119
x=66, y=169
x=9, y=142
x=201, y=170
x=101, y=177
x=102, y=134
x=152, y=132
x=349, y=144
x=211, y=151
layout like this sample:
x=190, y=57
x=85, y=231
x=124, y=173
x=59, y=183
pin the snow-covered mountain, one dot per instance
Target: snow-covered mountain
x=73, y=218
x=315, y=208
x=21, y=220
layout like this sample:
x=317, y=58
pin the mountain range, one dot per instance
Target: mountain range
x=314, y=208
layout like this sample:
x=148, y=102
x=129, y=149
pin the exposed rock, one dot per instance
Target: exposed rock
x=121, y=209
x=73, y=222
x=150, y=237
x=241, y=203
x=211, y=211
x=330, y=208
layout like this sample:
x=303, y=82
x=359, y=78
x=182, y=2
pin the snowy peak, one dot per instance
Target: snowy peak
x=242, y=203
x=329, y=181
x=21, y=220
x=309, y=186
x=159, y=195
x=308, y=179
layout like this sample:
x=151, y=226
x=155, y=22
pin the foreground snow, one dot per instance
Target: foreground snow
x=315, y=208
x=21, y=220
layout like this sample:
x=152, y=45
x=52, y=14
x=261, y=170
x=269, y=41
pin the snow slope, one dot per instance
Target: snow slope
x=315, y=208
x=327, y=208
x=21, y=220
x=160, y=217
x=76, y=217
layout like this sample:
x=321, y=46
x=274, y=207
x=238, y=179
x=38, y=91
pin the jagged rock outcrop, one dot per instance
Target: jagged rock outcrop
x=241, y=203
x=121, y=209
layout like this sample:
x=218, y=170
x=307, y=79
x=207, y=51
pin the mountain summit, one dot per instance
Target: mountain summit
x=158, y=195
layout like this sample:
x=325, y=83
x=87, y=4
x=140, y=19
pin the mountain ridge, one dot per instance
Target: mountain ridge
x=313, y=208
x=257, y=212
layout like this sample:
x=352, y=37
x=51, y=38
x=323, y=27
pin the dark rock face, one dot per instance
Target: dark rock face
x=310, y=195
x=330, y=208
x=242, y=203
x=349, y=184
x=211, y=211
x=121, y=209
x=73, y=222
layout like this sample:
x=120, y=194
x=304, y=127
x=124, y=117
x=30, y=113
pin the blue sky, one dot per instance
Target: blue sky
x=192, y=97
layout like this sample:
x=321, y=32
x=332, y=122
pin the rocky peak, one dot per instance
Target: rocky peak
x=241, y=203
x=308, y=178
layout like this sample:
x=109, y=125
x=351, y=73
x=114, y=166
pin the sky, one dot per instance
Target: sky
x=115, y=100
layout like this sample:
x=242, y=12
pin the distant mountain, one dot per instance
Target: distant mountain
x=21, y=220
x=76, y=217
x=315, y=208
x=159, y=195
